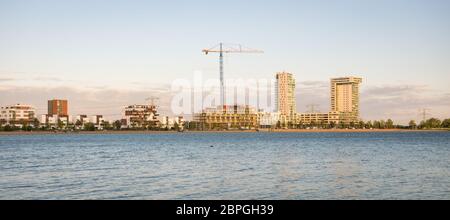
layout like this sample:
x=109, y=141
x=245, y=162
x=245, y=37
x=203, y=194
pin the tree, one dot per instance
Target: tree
x=369, y=125
x=26, y=127
x=361, y=124
x=446, y=123
x=117, y=124
x=36, y=123
x=412, y=124
x=106, y=125
x=8, y=128
x=341, y=125
x=24, y=124
x=278, y=126
x=431, y=123
x=382, y=124
x=332, y=125
x=60, y=124
x=389, y=124
x=376, y=124
x=89, y=127
x=352, y=124
x=78, y=124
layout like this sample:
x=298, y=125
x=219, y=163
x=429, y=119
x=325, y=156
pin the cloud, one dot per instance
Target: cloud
x=107, y=102
x=313, y=84
x=398, y=102
x=313, y=93
x=17, y=81
x=403, y=102
x=47, y=78
x=395, y=91
x=6, y=79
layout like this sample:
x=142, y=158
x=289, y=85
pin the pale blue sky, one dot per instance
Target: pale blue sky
x=114, y=43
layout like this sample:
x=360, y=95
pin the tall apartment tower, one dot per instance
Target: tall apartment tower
x=285, y=94
x=345, y=95
x=58, y=107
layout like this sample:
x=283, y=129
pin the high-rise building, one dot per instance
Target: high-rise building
x=58, y=107
x=285, y=94
x=345, y=95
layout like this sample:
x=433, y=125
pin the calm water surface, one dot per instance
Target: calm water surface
x=239, y=166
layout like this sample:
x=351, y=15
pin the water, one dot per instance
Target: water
x=240, y=166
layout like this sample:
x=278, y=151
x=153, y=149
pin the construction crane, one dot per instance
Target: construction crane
x=222, y=48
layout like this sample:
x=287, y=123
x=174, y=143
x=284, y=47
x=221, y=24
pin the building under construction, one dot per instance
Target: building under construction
x=226, y=117
x=140, y=116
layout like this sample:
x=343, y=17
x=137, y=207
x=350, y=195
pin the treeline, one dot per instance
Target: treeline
x=431, y=124
x=79, y=126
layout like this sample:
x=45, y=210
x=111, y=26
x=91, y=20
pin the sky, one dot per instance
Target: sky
x=103, y=54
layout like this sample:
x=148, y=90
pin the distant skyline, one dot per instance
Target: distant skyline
x=101, y=55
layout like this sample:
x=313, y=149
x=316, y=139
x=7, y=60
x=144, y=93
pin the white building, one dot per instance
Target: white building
x=53, y=120
x=98, y=121
x=169, y=123
x=81, y=119
x=17, y=114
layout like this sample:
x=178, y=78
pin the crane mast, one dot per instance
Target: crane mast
x=222, y=81
x=221, y=48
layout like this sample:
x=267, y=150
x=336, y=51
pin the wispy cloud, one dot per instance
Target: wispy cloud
x=402, y=102
x=313, y=84
x=6, y=79
x=390, y=91
x=108, y=102
x=399, y=102
x=47, y=78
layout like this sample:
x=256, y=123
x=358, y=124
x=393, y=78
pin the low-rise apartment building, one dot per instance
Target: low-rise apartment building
x=17, y=115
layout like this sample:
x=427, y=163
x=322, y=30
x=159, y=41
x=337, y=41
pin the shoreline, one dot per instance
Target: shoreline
x=9, y=133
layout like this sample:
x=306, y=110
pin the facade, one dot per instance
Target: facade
x=172, y=123
x=268, y=119
x=344, y=109
x=345, y=96
x=139, y=116
x=227, y=117
x=97, y=120
x=318, y=118
x=58, y=107
x=17, y=115
x=344, y=104
x=55, y=121
x=81, y=119
x=285, y=94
